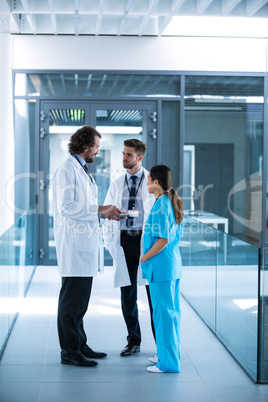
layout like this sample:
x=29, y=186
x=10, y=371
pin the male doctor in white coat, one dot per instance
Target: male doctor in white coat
x=124, y=239
x=78, y=243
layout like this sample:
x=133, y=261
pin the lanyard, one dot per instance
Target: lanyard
x=134, y=198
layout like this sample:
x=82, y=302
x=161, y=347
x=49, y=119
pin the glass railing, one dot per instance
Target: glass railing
x=264, y=317
x=17, y=265
x=220, y=281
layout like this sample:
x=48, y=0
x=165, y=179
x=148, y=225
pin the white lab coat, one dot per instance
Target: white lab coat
x=111, y=229
x=77, y=232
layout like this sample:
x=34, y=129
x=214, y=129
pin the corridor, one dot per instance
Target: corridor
x=30, y=369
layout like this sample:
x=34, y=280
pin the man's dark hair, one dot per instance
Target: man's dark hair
x=140, y=147
x=82, y=138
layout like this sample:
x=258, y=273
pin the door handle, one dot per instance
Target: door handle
x=153, y=133
x=42, y=184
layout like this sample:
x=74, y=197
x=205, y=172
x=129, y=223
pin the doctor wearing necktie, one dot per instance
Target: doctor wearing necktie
x=124, y=239
x=78, y=243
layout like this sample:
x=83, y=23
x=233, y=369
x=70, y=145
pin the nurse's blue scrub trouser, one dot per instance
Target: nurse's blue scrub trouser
x=167, y=320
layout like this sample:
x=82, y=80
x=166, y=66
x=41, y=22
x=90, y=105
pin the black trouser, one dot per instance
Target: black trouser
x=73, y=303
x=131, y=247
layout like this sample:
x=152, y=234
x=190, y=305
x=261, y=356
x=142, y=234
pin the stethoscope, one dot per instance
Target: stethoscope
x=84, y=168
x=92, y=181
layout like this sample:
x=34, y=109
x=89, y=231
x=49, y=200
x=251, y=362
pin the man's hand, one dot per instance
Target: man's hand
x=110, y=212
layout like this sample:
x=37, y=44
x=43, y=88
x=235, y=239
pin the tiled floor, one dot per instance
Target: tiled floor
x=30, y=370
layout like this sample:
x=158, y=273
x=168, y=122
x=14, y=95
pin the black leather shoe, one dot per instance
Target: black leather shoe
x=130, y=350
x=90, y=354
x=76, y=358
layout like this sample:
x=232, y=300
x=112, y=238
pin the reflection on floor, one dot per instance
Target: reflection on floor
x=30, y=370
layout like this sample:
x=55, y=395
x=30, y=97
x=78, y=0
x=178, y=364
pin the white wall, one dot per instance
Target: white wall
x=6, y=132
x=139, y=53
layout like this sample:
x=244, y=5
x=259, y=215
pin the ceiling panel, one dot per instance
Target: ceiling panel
x=116, y=17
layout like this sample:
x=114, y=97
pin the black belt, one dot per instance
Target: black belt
x=131, y=232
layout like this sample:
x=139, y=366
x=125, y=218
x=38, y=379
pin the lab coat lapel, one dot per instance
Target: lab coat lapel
x=120, y=190
x=84, y=174
x=78, y=166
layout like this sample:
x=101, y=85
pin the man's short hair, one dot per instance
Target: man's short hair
x=82, y=138
x=139, y=146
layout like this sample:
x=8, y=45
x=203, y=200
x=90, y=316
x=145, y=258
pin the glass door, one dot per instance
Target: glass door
x=58, y=121
x=116, y=121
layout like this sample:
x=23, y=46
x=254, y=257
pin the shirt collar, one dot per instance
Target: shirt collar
x=81, y=160
x=138, y=174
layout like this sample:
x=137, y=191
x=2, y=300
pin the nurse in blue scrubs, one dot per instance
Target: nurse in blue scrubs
x=161, y=266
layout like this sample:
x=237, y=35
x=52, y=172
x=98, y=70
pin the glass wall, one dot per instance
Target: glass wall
x=198, y=249
x=224, y=124
x=220, y=133
x=220, y=281
x=25, y=155
x=17, y=264
x=263, y=336
x=238, y=301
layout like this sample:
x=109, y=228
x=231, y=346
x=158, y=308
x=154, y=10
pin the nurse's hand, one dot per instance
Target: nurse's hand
x=110, y=212
x=143, y=259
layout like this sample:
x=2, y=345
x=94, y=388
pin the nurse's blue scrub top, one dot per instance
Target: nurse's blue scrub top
x=166, y=265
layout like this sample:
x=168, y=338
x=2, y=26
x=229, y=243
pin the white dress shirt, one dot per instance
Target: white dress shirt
x=137, y=222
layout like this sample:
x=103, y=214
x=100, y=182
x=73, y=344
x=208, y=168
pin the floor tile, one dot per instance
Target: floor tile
x=114, y=373
x=125, y=391
x=22, y=357
x=23, y=373
x=220, y=372
x=235, y=391
x=29, y=342
x=19, y=392
x=208, y=356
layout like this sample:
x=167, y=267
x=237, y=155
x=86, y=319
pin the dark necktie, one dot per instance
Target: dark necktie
x=88, y=173
x=85, y=168
x=131, y=201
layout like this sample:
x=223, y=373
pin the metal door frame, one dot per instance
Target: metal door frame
x=150, y=106
x=90, y=107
